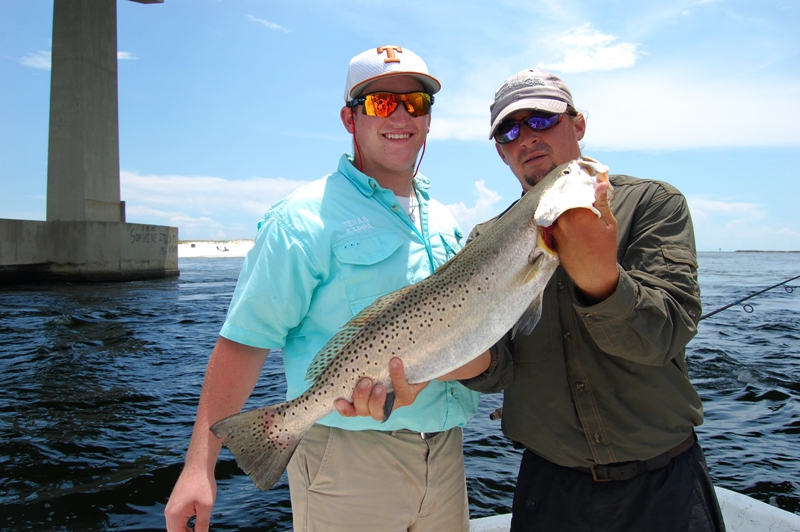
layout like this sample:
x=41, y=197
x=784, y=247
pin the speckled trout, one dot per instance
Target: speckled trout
x=493, y=285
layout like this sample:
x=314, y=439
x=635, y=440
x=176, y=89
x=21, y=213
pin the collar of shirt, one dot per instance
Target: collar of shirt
x=368, y=186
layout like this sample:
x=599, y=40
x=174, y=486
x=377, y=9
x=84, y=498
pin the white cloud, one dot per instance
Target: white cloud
x=213, y=207
x=741, y=236
x=174, y=218
x=732, y=215
x=43, y=59
x=654, y=108
x=40, y=59
x=706, y=207
x=697, y=3
x=459, y=127
x=198, y=204
x=732, y=225
x=667, y=102
x=464, y=113
x=586, y=49
x=469, y=217
x=661, y=109
x=270, y=25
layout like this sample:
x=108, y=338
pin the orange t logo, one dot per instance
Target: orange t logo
x=390, y=50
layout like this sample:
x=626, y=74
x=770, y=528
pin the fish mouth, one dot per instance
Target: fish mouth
x=546, y=239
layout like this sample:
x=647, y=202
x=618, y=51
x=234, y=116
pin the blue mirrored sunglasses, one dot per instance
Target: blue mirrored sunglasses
x=510, y=131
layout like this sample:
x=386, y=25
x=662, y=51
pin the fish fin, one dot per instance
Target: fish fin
x=529, y=318
x=350, y=330
x=260, y=441
x=388, y=406
x=533, y=258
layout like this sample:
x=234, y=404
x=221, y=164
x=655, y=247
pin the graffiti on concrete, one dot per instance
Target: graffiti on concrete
x=156, y=236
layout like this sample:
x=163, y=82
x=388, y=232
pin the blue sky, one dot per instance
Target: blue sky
x=227, y=106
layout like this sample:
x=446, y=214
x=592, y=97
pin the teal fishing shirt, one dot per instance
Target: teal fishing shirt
x=324, y=253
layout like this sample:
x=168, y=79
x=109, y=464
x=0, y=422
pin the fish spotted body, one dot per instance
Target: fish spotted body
x=493, y=285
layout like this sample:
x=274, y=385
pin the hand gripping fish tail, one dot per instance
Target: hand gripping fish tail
x=492, y=286
x=262, y=441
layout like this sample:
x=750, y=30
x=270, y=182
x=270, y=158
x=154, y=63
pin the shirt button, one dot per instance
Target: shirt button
x=560, y=284
x=373, y=184
x=581, y=387
x=596, y=438
x=452, y=391
x=567, y=336
x=394, y=208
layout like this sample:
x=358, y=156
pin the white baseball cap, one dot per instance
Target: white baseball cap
x=382, y=61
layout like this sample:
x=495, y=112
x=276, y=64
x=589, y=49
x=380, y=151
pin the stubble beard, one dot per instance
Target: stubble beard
x=534, y=178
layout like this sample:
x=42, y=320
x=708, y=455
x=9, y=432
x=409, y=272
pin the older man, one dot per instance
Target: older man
x=598, y=395
x=322, y=255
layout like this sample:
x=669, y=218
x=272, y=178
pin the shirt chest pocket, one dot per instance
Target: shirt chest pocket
x=371, y=266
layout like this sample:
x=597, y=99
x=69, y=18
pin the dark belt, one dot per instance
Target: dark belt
x=423, y=435
x=628, y=470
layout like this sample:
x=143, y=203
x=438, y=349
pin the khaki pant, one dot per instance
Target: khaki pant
x=353, y=481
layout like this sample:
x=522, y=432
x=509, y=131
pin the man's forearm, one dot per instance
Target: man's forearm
x=231, y=376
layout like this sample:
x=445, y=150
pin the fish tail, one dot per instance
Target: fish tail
x=261, y=441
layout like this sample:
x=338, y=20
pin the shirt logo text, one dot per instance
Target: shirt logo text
x=357, y=225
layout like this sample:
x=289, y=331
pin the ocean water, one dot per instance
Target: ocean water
x=99, y=386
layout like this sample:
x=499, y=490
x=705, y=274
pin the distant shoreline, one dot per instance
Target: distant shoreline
x=216, y=242
x=239, y=248
x=213, y=248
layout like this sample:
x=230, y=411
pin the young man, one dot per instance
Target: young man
x=321, y=255
x=598, y=395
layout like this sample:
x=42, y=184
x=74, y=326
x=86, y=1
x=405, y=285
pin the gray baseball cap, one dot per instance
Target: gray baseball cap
x=533, y=89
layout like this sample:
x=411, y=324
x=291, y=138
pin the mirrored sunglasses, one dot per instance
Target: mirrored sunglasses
x=383, y=104
x=510, y=131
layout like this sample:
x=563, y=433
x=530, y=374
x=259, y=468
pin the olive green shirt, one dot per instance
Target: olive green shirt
x=608, y=382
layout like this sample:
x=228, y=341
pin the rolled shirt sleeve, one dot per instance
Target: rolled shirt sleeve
x=653, y=314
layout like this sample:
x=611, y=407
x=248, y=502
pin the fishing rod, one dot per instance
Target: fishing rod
x=749, y=308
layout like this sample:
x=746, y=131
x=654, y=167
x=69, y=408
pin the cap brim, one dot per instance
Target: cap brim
x=429, y=83
x=538, y=104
